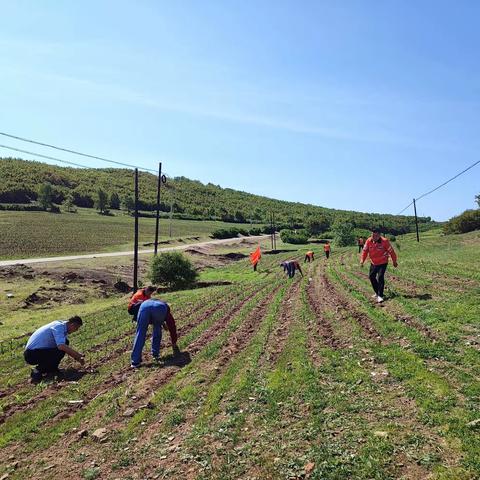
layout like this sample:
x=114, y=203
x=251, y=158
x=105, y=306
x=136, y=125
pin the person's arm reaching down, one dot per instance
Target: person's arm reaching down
x=172, y=329
x=72, y=353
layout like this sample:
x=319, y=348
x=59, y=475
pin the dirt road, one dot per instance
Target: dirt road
x=25, y=261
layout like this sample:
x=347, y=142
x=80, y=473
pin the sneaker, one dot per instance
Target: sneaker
x=35, y=376
x=374, y=296
x=379, y=299
x=135, y=365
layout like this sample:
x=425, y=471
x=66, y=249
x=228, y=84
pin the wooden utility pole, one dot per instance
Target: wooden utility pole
x=274, y=233
x=171, y=215
x=416, y=219
x=271, y=229
x=135, y=245
x=157, y=222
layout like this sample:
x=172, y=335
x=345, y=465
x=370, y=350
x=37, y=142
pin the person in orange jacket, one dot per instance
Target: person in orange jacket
x=360, y=243
x=379, y=249
x=137, y=298
x=326, y=249
x=309, y=257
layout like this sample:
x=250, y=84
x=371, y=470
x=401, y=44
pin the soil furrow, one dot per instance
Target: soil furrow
x=279, y=335
x=10, y=409
x=392, y=309
x=236, y=343
x=317, y=301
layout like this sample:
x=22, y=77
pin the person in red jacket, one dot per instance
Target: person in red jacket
x=137, y=298
x=378, y=248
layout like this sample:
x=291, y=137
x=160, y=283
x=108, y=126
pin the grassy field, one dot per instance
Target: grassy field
x=42, y=234
x=279, y=378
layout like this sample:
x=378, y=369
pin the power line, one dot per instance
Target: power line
x=50, y=158
x=448, y=181
x=442, y=185
x=43, y=156
x=409, y=205
x=22, y=139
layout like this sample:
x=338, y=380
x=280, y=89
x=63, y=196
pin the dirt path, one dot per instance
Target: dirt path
x=25, y=261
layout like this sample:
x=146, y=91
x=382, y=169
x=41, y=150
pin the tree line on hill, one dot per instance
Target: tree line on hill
x=24, y=182
x=468, y=221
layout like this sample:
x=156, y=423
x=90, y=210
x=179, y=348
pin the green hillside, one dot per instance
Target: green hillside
x=21, y=181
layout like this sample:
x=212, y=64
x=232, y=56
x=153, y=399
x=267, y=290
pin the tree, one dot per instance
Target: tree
x=45, y=196
x=343, y=233
x=101, y=201
x=317, y=224
x=477, y=199
x=68, y=204
x=173, y=269
x=115, y=201
x=128, y=204
x=297, y=237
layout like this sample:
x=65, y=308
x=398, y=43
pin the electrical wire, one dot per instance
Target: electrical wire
x=441, y=185
x=22, y=139
x=43, y=156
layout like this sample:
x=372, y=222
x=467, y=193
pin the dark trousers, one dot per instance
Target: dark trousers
x=376, y=275
x=45, y=359
x=327, y=253
x=360, y=248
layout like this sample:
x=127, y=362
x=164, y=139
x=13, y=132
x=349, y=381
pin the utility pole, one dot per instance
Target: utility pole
x=157, y=222
x=271, y=229
x=171, y=215
x=416, y=219
x=135, y=244
x=274, y=233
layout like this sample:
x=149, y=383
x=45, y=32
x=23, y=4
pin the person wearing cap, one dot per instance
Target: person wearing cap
x=378, y=248
x=48, y=345
x=156, y=313
x=309, y=257
x=137, y=298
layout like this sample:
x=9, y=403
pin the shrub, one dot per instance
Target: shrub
x=391, y=237
x=225, y=233
x=21, y=208
x=297, y=237
x=173, y=269
x=466, y=222
x=255, y=231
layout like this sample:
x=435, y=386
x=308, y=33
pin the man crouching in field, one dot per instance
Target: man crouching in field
x=48, y=345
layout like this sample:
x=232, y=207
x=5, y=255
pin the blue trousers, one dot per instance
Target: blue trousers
x=146, y=316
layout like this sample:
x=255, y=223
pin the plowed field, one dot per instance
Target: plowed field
x=278, y=379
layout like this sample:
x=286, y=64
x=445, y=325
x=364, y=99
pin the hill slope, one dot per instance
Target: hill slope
x=21, y=180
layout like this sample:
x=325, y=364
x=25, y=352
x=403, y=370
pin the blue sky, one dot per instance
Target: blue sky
x=357, y=105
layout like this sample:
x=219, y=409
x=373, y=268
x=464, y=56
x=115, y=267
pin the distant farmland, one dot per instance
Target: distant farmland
x=38, y=234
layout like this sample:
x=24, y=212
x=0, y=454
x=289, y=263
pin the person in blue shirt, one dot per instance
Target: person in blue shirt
x=48, y=345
